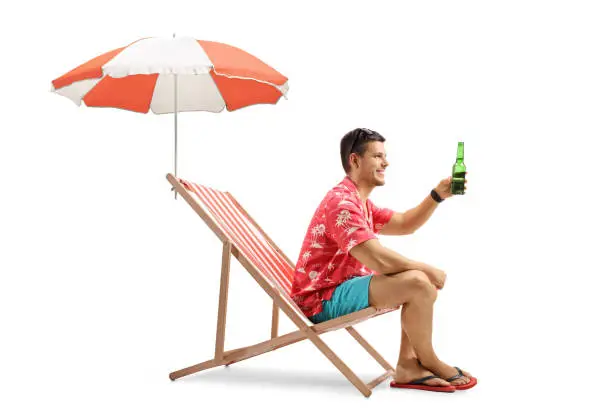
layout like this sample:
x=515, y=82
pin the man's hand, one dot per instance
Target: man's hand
x=436, y=276
x=444, y=187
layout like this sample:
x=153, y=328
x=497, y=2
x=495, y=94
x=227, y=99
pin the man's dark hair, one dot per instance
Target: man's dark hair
x=356, y=141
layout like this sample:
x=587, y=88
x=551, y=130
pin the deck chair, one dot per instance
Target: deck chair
x=273, y=271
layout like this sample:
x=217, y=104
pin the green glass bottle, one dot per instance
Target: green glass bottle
x=458, y=177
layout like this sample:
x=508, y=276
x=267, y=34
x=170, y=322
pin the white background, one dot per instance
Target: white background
x=108, y=283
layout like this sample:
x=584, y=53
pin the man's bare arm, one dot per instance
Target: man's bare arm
x=383, y=260
x=409, y=221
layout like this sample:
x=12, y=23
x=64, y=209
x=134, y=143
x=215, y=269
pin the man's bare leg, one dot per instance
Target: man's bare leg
x=408, y=367
x=413, y=290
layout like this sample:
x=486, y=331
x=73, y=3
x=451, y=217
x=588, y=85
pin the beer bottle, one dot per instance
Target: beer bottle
x=458, y=177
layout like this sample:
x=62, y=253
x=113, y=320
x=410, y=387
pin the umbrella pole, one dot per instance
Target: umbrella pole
x=175, y=129
x=175, y=124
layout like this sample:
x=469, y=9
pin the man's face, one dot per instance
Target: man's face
x=373, y=164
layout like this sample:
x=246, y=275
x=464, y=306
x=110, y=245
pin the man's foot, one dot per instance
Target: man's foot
x=410, y=370
x=445, y=371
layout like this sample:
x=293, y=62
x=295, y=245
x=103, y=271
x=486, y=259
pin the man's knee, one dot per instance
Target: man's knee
x=417, y=283
x=400, y=288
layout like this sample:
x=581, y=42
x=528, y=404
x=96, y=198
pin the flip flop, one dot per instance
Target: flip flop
x=418, y=385
x=467, y=386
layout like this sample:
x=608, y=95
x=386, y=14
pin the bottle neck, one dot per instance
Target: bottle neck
x=460, y=152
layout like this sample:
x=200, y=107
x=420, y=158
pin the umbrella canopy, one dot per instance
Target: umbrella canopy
x=166, y=75
x=145, y=75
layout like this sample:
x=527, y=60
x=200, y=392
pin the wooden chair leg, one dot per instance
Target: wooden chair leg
x=274, y=321
x=370, y=349
x=223, y=289
x=232, y=356
x=229, y=357
x=344, y=369
x=194, y=369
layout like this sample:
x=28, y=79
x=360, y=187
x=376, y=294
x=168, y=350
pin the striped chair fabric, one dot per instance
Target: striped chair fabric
x=243, y=234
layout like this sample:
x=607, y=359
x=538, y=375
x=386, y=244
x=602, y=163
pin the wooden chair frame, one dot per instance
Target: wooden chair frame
x=305, y=330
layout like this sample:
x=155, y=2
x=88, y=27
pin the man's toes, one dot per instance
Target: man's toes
x=438, y=382
x=461, y=380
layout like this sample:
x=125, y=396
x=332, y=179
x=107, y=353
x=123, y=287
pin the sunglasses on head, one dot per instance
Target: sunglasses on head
x=360, y=134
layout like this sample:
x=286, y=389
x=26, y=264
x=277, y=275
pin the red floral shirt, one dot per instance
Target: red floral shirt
x=339, y=224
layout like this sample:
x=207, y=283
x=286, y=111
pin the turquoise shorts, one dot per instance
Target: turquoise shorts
x=348, y=297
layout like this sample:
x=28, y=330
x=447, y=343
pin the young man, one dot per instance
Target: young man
x=343, y=268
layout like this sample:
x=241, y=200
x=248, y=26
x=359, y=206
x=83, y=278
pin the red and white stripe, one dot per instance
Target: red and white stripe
x=246, y=236
x=210, y=76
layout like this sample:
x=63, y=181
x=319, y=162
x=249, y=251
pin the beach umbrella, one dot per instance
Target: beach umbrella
x=172, y=75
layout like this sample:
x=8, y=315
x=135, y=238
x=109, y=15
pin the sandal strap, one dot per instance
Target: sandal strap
x=455, y=377
x=422, y=380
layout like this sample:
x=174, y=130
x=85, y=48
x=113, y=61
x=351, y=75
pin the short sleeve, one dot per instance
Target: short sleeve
x=380, y=217
x=346, y=224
